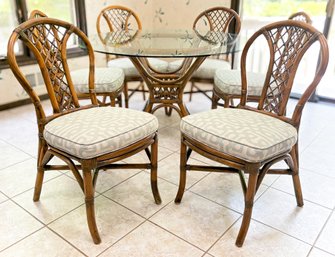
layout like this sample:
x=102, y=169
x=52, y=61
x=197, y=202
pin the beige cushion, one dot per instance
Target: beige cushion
x=207, y=68
x=129, y=69
x=247, y=135
x=106, y=80
x=93, y=132
x=229, y=82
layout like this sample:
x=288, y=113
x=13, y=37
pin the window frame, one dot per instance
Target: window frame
x=27, y=57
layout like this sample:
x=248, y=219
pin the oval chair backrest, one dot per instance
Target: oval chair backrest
x=287, y=41
x=118, y=18
x=218, y=19
x=47, y=39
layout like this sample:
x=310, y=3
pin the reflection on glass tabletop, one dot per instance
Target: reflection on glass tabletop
x=165, y=43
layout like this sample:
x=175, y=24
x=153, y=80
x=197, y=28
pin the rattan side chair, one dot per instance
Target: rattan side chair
x=94, y=136
x=108, y=81
x=116, y=17
x=251, y=139
x=215, y=19
x=227, y=83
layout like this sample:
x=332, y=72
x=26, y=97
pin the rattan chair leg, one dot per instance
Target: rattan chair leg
x=89, y=200
x=191, y=91
x=226, y=100
x=42, y=150
x=143, y=90
x=126, y=96
x=153, y=176
x=295, y=176
x=215, y=100
x=249, y=201
x=38, y=184
x=182, y=179
x=112, y=99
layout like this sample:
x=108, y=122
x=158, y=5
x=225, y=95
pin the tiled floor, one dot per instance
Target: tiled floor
x=206, y=223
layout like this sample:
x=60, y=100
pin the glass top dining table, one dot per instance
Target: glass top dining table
x=165, y=87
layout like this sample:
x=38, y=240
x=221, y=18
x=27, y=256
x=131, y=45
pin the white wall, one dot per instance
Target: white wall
x=153, y=13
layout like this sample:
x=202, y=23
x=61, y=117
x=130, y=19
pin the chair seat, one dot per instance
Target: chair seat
x=130, y=70
x=207, y=68
x=248, y=135
x=106, y=80
x=96, y=131
x=229, y=82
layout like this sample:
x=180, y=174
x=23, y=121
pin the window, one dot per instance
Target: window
x=14, y=12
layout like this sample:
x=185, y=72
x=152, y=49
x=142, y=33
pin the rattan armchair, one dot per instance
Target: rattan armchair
x=114, y=18
x=108, y=81
x=94, y=136
x=216, y=19
x=227, y=83
x=251, y=139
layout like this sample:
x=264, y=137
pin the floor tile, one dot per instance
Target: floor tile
x=195, y=219
x=141, y=157
x=58, y=197
x=317, y=161
x=136, y=194
x=169, y=138
x=113, y=221
x=326, y=240
x=318, y=253
x=138, y=244
x=3, y=197
x=279, y=210
x=20, y=177
x=40, y=244
x=224, y=189
x=15, y=224
x=315, y=187
x=109, y=178
x=260, y=241
x=164, y=120
x=169, y=170
x=10, y=155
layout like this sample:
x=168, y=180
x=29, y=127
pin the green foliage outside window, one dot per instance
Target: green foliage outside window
x=268, y=8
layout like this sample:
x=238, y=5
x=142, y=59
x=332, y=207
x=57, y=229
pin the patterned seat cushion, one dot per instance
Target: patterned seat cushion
x=247, y=135
x=93, y=132
x=129, y=69
x=207, y=68
x=229, y=82
x=106, y=80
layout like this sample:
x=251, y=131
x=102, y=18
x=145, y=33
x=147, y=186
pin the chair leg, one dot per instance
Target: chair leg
x=88, y=166
x=226, y=100
x=191, y=91
x=42, y=150
x=112, y=99
x=143, y=90
x=249, y=201
x=215, y=100
x=295, y=175
x=153, y=176
x=126, y=97
x=182, y=179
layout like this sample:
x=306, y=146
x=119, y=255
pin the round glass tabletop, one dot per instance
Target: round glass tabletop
x=165, y=43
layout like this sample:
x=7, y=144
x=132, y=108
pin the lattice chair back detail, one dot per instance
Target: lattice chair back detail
x=288, y=41
x=95, y=137
x=108, y=82
x=301, y=16
x=118, y=18
x=228, y=82
x=47, y=39
x=214, y=19
x=217, y=19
